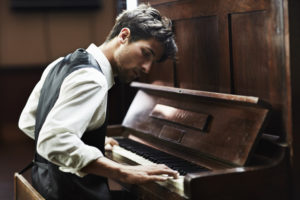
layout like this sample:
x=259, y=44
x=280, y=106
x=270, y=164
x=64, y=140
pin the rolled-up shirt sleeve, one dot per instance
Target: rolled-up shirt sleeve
x=81, y=106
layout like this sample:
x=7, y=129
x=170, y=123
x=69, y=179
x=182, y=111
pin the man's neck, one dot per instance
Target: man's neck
x=108, y=49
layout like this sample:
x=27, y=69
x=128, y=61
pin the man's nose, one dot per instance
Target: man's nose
x=146, y=67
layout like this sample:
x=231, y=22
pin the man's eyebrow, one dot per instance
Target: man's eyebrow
x=152, y=52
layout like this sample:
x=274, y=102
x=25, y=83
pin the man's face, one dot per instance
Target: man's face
x=135, y=58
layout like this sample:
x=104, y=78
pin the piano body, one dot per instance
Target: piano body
x=216, y=141
x=236, y=50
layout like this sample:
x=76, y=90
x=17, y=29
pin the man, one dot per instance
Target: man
x=66, y=111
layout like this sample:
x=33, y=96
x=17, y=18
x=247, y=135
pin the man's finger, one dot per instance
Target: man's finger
x=157, y=178
x=164, y=171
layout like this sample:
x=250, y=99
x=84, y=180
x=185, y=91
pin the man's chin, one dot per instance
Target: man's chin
x=126, y=80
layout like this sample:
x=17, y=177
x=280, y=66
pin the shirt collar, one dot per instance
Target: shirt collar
x=103, y=62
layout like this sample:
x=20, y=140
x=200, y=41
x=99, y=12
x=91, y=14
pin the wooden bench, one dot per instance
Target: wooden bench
x=23, y=190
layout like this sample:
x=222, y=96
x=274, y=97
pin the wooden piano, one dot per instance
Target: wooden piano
x=216, y=141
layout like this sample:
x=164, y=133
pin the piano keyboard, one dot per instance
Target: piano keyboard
x=160, y=157
x=144, y=155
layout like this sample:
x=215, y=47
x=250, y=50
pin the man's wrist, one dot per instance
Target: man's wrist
x=104, y=167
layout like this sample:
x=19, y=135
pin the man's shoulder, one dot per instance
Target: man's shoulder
x=87, y=75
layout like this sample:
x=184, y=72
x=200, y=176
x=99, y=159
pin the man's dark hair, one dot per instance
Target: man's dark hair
x=145, y=23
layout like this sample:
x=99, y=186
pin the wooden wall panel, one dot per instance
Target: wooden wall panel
x=232, y=46
x=250, y=54
x=253, y=70
x=204, y=45
x=257, y=69
x=201, y=50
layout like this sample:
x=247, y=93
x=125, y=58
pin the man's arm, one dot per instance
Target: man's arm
x=77, y=110
x=129, y=174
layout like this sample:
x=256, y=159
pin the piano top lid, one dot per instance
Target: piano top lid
x=222, y=126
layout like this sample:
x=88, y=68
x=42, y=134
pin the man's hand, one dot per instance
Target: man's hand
x=109, y=143
x=146, y=173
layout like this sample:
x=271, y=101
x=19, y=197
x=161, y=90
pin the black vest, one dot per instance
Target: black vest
x=47, y=179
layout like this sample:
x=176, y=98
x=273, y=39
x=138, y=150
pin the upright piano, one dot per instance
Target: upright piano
x=215, y=141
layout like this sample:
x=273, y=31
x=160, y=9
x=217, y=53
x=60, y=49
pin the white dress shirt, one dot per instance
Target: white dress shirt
x=80, y=107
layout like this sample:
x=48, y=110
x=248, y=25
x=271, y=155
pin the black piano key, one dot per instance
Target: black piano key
x=159, y=157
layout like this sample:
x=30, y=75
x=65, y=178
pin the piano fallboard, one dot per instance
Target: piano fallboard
x=221, y=126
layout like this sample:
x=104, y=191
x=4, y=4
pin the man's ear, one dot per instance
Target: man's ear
x=124, y=35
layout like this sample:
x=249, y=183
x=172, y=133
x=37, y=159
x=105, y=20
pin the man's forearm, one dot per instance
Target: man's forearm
x=103, y=167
